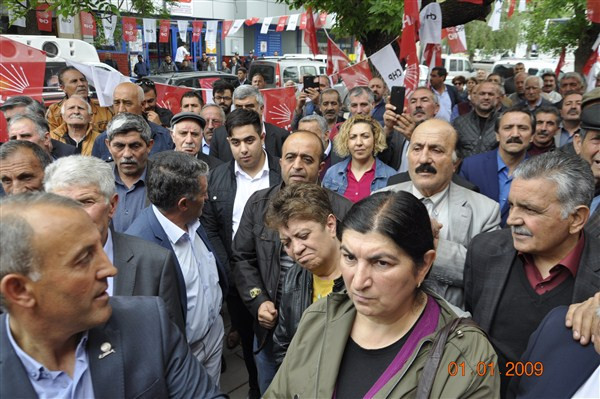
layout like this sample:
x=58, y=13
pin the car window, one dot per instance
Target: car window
x=468, y=66
x=308, y=70
x=323, y=70
x=186, y=82
x=291, y=73
x=453, y=65
x=460, y=65
x=267, y=71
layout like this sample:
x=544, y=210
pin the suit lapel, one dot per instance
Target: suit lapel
x=15, y=381
x=491, y=171
x=125, y=279
x=108, y=375
x=494, y=286
x=459, y=216
x=587, y=280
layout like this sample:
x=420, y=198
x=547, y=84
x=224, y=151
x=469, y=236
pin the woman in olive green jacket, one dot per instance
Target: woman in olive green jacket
x=374, y=340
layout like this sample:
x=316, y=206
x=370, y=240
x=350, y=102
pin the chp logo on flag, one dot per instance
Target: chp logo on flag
x=357, y=75
x=170, y=96
x=279, y=106
x=20, y=67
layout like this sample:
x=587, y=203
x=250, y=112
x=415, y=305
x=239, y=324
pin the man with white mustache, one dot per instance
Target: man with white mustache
x=513, y=278
x=187, y=130
x=77, y=128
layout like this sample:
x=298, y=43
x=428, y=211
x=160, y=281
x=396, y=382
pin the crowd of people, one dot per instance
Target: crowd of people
x=447, y=249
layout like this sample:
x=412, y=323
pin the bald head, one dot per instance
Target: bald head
x=302, y=153
x=432, y=156
x=128, y=97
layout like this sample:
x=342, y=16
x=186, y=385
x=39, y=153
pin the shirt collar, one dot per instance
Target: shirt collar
x=436, y=198
x=174, y=232
x=570, y=261
x=328, y=149
x=501, y=164
x=108, y=246
x=204, y=143
x=35, y=369
x=141, y=179
x=263, y=172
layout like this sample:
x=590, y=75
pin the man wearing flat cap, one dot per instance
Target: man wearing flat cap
x=186, y=132
x=587, y=145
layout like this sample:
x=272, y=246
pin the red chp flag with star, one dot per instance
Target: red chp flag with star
x=279, y=106
x=336, y=58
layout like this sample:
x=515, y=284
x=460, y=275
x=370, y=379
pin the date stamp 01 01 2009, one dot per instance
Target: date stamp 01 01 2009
x=513, y=369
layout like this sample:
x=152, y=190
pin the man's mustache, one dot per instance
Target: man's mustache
x=522, y=230
x=425, y=168
x=514, y=140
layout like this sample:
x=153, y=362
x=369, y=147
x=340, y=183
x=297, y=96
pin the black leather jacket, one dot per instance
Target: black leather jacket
x=256, y=251
x=295, y=299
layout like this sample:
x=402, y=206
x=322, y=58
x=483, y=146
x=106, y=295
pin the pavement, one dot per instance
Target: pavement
x=234, y=381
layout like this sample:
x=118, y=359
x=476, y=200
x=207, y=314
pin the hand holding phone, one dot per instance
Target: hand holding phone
x=397, y=98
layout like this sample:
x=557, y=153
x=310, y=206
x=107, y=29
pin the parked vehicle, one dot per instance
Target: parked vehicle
x=278, y=71
x=532, y=66
x=193, y=79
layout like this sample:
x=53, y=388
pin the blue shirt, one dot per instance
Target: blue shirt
x=565, y=137
x=131, y=201
x=504, y=181
x=595, y=203
x=57, y=384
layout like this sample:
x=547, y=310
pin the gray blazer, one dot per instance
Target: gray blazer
x=470, y=213
x=489, y=259
x=147, y=269
x=151, y=357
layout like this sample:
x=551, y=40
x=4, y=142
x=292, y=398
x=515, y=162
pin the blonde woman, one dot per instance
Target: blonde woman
x=360, y=139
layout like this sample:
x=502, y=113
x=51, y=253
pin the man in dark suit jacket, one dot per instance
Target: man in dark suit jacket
x=492, y=171
x=513, y=278
x=186, y=132
x=248, y=97
x=567, y=365
x=145, y=269
x=64, y=324
x=176, y=187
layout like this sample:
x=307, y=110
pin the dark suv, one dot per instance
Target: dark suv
x=191, y=79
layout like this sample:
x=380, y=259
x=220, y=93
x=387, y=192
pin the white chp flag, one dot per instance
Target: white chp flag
x=386, y=62
x=431, y=24
x=237, y=24
x=182, y=26
x=109, y=23
x=149, y=30
x=494, y=21
x=211, y=34
x=293, y=22
x=264, y=29
x=104, y=81
x=67, y=25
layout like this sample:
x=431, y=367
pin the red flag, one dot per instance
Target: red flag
x=170, y=96
x=281, y=23
x=196, y=31
x=129, y=29
x=88, y=24
x=480, y=2
x=411, y=10
x=321, y=20
x=44, y=18
x=359, y=50
x=433, y=55
x=561, y=62
x=20, y=67
x=408, y=52
x=279, y=106
x=303, y=19
x=357, y=75
x=336, y=58
x=251, y=21
x=587, y=68
x=511, y=8
x=310, y=33
x=3, y=129
x=225, y=28
x=456, y=45
x=593, y=11
x=207, y=87
x=163, y=36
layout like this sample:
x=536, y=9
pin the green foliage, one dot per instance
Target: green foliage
x=560, y=35
x=480, y=35
x=359, y=17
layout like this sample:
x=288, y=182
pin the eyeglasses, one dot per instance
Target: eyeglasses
x=145, y=82
x=219, y=98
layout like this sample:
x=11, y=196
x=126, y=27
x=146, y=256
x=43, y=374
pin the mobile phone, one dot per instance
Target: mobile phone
x=310, y=82
x=397, y=98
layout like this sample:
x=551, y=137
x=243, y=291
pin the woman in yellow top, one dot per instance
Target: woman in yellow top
x=304, y=218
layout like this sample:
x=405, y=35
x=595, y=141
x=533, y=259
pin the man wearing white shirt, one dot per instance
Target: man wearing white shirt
x=229, y=187
x=177, y=187
x=182, y=53
x=145, y=269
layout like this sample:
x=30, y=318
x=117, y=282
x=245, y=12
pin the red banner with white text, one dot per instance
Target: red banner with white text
x=129, y=29
x=44, y=18
x=88, y=24
x=196, y=31
x=163, y=36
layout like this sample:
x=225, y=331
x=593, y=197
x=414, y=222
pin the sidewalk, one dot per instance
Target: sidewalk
x=234, y=381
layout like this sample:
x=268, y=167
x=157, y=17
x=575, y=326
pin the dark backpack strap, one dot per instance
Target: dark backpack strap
x=435, y=356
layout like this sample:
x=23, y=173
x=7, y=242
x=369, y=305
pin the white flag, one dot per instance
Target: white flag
x=293, y=22
x=264, y=29
x=109, y=23
x=494, y=21
x=386, y=62
x=522, y=5
x=149, y=30
x=211, y=35
x=461, y=35
x=16, y=21
x=237, y=24
x=104, y=81
x=67, y=25
x=182, y=26
x=431, y=24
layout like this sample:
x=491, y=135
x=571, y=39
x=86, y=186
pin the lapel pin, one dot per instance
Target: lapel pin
x=106, y=349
